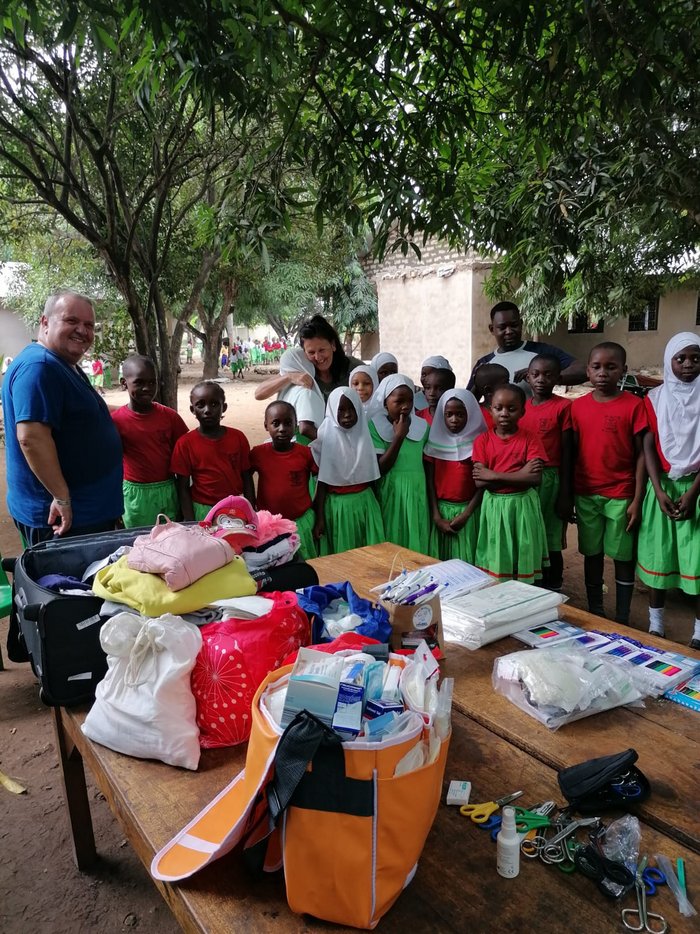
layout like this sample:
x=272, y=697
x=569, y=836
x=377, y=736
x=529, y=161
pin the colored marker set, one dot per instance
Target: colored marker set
x=412, y=588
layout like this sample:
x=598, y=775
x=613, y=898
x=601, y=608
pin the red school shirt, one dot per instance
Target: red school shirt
x=283, y=478
x=216, y=465
x=425, y=413
x=507, y=455
x=148, y=441
x=606, y=460
x=654, y=429
x=488, y=417
x=548, y=421
x=453, y=480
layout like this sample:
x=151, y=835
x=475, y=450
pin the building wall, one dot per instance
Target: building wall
x=645, y=349
x=14, y=334
x=432, y=305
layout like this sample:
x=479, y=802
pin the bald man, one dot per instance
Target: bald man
x=64, y=455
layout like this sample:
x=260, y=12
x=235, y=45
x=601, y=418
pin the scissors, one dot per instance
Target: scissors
x=640, y=912
x=653, y=878
x=480, y=813
x=626, y=786
x=612, y=877
x=525, y=821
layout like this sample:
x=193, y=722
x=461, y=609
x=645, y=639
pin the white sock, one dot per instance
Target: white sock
x=656, y=620
x=696, y=632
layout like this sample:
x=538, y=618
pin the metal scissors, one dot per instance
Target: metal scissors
x=626, y=785
x=480, y=813
x=612, y=877
x=640, y=912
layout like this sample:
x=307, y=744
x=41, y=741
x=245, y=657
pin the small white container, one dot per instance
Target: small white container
x=508, y=846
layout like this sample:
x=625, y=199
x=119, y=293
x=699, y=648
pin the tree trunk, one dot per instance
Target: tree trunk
x=210, y=351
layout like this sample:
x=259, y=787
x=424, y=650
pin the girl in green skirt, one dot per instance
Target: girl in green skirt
x=454, y=500
x=508, y=462
x=668, y=552
x=347, y=512
x=399, y=436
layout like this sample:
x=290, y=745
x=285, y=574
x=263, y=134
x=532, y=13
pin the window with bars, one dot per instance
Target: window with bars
x=647, y=319
x=582, y=324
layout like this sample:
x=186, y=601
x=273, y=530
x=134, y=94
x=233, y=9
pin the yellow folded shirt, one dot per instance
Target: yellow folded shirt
x=150, y=595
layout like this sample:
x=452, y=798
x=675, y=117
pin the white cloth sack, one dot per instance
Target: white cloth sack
x=144, y=706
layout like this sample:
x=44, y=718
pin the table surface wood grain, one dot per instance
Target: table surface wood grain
x=494, y=745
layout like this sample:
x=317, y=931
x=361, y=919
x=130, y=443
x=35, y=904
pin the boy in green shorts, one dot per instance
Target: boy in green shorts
x=609, y=476
x=148, y=431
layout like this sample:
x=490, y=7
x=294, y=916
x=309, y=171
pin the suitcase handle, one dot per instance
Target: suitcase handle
x=32, y=611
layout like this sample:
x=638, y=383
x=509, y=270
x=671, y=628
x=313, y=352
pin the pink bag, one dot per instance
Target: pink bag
x=235, y=658
x=180, y=554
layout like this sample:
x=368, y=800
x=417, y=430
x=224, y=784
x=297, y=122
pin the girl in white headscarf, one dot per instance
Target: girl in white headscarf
x=399, y=437
x=306, y=400
x=668, y=553
x=347, y=512
x=385, y=364
x=436, y=377
x=452, y=496
x=365, y=381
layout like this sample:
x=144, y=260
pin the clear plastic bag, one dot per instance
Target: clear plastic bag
x=566, y=683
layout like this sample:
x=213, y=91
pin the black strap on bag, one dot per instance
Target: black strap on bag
x=325, y=788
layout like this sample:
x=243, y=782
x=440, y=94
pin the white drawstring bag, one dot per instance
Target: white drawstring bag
x=144, y=707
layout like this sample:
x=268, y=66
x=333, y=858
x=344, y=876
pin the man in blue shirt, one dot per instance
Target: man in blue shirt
x=64, y=457
x=515, y=354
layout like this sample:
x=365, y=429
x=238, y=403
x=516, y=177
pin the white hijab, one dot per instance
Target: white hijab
x=446, y=446
x=309, y=404
x=436, y=363
x=677, y=408
x=369, y=405
x=380, y=419
x=381, y=359
x=345, y=456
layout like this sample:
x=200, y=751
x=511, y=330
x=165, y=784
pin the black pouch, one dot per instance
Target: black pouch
x=605, y=783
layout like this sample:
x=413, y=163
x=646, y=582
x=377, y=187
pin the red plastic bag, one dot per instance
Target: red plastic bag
x=235, y=658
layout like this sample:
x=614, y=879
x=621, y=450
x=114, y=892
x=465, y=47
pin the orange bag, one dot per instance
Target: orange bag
x=339, y=807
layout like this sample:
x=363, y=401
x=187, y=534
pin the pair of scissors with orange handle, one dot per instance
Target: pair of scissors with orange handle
x=480, y=813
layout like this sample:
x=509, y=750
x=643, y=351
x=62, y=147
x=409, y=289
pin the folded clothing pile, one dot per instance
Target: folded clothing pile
x=493, y=613
x=264, y=540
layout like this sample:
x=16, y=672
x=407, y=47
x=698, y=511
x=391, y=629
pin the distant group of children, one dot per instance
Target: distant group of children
x=491, y=476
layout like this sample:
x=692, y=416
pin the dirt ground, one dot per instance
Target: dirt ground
x=41, y=891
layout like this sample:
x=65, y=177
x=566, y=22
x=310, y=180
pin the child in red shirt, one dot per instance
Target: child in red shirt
x=488, y=378
x=508, y=464
x=452, y=496
x=609, y=476
x=284, y=468
x=548, y=416
x=212, y=461
x=149, y=432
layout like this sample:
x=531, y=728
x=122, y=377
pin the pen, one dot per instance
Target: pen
x=421, y=593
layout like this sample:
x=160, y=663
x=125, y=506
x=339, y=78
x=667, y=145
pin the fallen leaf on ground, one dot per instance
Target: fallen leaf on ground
x=12, y=785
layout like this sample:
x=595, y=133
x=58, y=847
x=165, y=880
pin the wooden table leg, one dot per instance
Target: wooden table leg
x=75, y=793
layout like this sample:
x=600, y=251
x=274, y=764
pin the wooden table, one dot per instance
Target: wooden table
x=494, y=745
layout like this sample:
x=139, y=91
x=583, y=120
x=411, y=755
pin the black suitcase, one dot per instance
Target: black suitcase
x=60, y=633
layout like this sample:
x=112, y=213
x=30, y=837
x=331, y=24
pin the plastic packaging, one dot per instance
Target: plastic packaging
x=666, y=867
x=508, y=846
x=566, y=683
x=621, y=843
x=443, y=714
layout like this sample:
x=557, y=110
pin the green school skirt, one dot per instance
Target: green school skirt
x=463, y=544
x=352, y=521
x=305, y=528
x=512, y=544
x=668, y=552
x=143, y=502
x=201, y=511
x=548, y=491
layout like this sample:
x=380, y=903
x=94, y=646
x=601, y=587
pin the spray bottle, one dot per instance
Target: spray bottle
x=508, y=846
